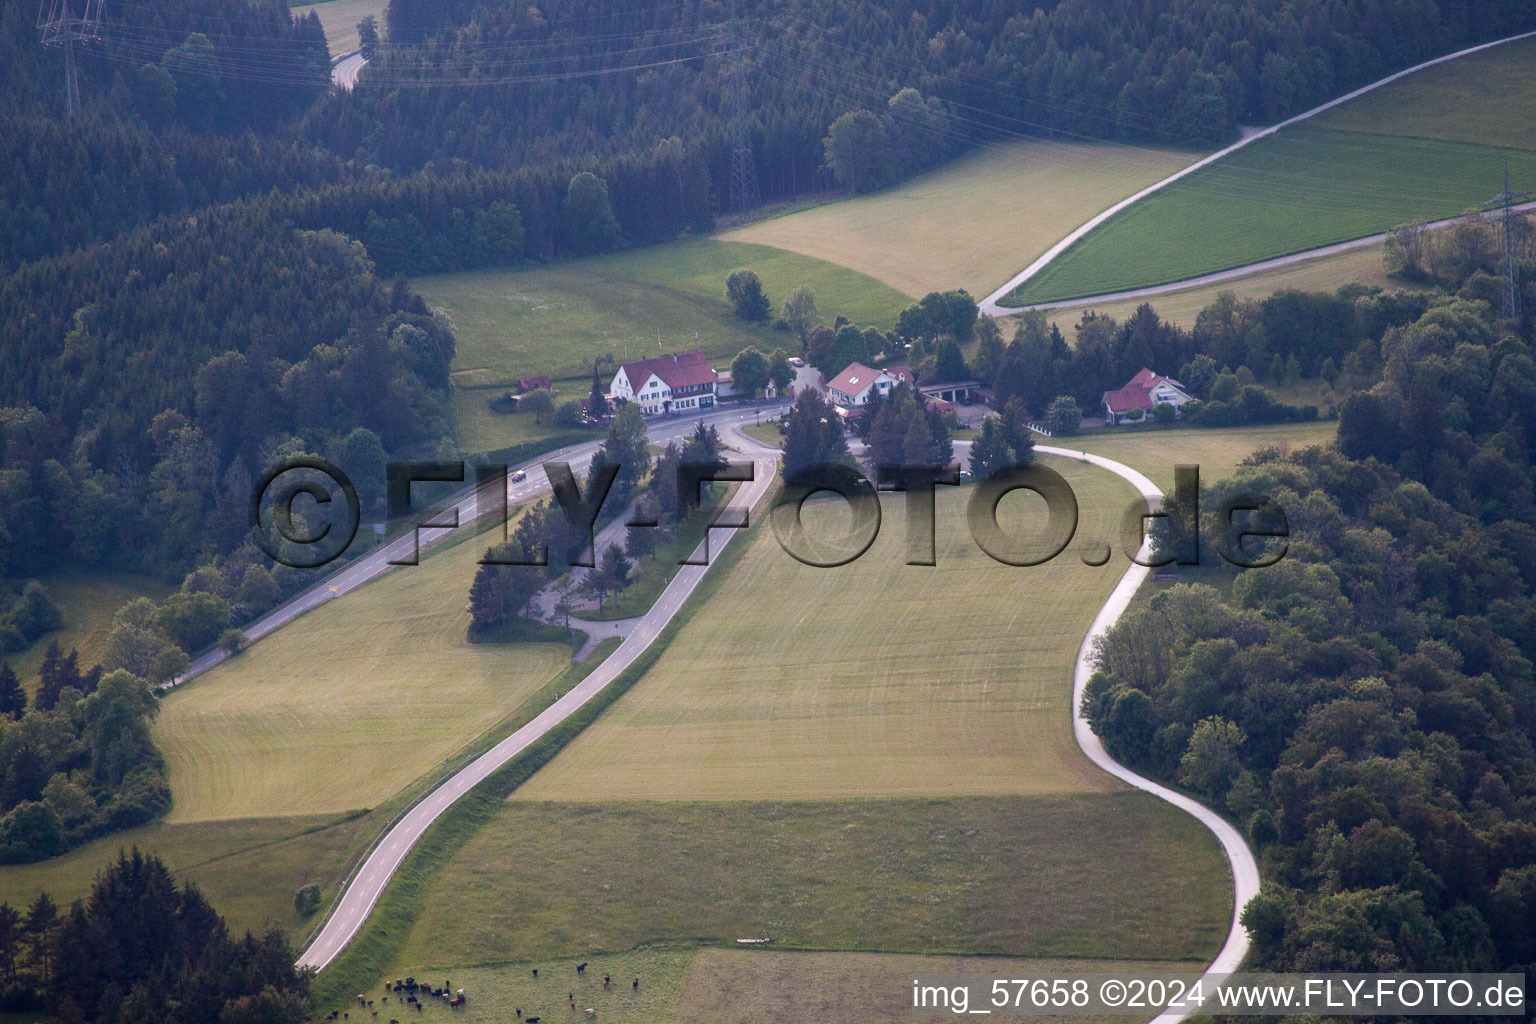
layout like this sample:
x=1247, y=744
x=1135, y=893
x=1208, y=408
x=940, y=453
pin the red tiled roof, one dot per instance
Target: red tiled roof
x=853, y=379
x=1137, y=393
x=902, y=373
x=684, y=370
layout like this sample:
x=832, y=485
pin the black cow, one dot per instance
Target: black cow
x=581, y=967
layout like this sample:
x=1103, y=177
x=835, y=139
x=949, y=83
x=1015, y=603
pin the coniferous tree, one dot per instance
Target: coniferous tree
x=13, y=699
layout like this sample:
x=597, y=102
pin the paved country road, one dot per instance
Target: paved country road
x=376, y=562
x=1245, y=870
x=363, y=892
x=344, y=70
x=991, y=305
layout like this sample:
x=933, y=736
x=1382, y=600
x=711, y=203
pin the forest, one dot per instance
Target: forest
x=1364, y=707
x=142, y=947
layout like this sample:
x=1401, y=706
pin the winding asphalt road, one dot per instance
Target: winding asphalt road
x=377, y=562
x=369, y=881
x=1245, y=869
x=991, y=305
x=346, y=67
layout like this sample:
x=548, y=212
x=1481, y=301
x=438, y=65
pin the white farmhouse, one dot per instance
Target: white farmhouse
x=852, y=388
x=667, y=384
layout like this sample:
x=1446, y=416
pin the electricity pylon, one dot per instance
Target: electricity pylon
x=62, y=24
x=744, y=194
x=1506, y=201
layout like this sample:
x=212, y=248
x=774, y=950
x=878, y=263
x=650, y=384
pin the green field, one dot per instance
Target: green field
x=1323, y=274
x=688, y=985
x=1432, y=145
x=349, y=704
x=555, y=321
x=88, y=601
x=1088, y=874
x=876, y=679
x=974, y=222
x=1216, y=452
x=249, y=869
x=339, y=18
x=728, y=986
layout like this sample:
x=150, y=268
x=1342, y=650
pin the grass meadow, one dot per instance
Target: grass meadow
x=88, y=601
x=555, y=321
x=1323, y=274
x=875, y=679
x=1216, y=452
x=350, y=704
x=249, y=868
x=339, y=18
x=1429, y=146
x=690, y=985
x=1085, y=874
x=974, y=222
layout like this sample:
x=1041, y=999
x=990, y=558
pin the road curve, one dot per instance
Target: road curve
x=990, y=306
x=346, y=67
x=377, y=562
x=1245, y=869
x=368, y=884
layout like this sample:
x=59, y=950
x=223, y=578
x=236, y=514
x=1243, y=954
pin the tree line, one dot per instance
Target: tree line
x=1366, y=707
x=79, y=762
x=141, y=947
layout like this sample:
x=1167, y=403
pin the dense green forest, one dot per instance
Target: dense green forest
x=81, y=763
x=143, y=948
x=1365, y=708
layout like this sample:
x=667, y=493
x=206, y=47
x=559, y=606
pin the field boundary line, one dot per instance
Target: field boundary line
x=990, y=306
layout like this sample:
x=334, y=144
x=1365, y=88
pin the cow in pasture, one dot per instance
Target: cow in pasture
x=581, y=967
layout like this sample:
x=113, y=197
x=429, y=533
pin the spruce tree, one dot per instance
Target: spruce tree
x=13, y=699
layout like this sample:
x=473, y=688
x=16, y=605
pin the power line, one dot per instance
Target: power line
x=744, y=191
x=62, y=28
x=1507, y=200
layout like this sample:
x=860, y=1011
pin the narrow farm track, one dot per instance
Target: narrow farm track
x=1245, y=869
x=386, y=857
x=991, y=305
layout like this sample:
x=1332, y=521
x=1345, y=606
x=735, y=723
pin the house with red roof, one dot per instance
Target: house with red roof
x=852, y=388
x=667, y=384
x=1145, y=391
